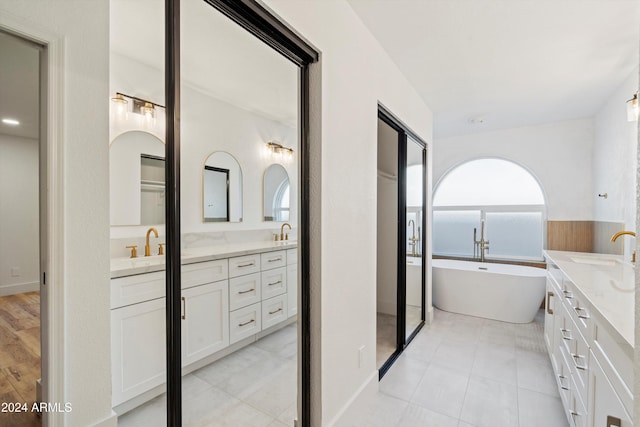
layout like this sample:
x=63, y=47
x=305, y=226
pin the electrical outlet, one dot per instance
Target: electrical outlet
x=15, y=271
x=361, y=356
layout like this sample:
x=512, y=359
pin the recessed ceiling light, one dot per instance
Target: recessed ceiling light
x=12, y=122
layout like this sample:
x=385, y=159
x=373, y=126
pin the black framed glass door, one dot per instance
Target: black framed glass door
x=401, y=237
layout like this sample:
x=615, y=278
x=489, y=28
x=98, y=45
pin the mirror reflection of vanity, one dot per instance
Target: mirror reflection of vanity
x=276, y=191
x=222, y=188
x=136, y=175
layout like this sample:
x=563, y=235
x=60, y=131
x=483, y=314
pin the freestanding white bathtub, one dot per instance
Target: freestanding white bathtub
x=510, y=293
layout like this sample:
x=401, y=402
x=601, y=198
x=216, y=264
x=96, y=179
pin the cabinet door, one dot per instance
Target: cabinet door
x=205, y=320
x=549, y=316
x=292, y=289
x=138, y=348
x=605, y=407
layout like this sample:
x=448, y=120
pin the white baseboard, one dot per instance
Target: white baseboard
x=351, y=411
x=110, y=421
x=18, y=288
x=429, y=316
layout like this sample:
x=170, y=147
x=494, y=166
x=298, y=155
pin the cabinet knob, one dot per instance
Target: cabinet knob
x=134, y=251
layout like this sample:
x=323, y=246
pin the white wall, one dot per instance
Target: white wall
x=356, y=74
x=209, y=125
x=19, y=215
x=81, y=31
x=615, y=158
x=559, y=155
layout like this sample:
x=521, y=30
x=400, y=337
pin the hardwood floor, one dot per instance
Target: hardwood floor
x=19, y=357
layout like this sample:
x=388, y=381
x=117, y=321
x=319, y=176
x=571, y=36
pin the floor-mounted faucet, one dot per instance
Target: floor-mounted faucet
x=480, y=246
x=413, y=240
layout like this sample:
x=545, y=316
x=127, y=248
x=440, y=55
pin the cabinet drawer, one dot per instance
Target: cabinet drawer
x=274, y=311
x=135, y=289
x=242, y=265
x=563, y=376
x=577, y=409
x=577, y=354
x=579, y=311
x=292, y=256
x=274, y=282
x=244, y=291
x=204, y=272
x=607, y=409
x=274, y=259
x=245, y=322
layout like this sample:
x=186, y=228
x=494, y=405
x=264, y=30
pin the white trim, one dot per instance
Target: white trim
x=53, y=314
x=18, y=288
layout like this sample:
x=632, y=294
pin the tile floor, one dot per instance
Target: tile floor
x=255, y=386
x=461, y=371
x=464, y=371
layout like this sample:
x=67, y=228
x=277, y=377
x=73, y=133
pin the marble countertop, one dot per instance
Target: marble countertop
x=121, y=267
x=607, y=282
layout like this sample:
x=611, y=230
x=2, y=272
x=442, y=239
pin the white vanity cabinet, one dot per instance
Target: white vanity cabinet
x=292, y=282
x=223, y=302
x=205, y=321
x=592, y=361
x=138, y=343
x=607, y=409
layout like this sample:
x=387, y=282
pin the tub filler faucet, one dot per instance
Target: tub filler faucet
x=413, y=240
x=480, y=246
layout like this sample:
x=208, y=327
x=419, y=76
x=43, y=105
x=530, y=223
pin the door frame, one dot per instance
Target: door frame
x=260, y=22
x=405, y=132
x=52, y=249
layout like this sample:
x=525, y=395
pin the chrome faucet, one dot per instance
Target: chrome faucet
x=480, y=246
x=413, y=240
x=622, y=233
x=147, y=248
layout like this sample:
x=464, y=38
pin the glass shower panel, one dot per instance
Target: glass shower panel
x=415, y=235
x=453, y=232
x=515, y=234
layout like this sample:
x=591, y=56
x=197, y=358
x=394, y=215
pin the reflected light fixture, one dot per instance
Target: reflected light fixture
x=275, y=148
x=146, y=109
x=632, y=108
x=10, y=122
x=121, y=103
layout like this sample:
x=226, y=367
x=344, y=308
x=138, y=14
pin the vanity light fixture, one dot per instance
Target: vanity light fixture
x=275, y=148
x=146, y=109
x=633, y=111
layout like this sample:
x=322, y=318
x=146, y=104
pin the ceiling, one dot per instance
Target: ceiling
x=507, y=63
x=19, y=86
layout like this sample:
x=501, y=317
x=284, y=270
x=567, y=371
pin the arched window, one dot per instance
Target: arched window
x=500, y=193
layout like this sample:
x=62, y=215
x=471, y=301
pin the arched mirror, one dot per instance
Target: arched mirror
x=222, y=188
x=276, y=193
x=136, y=177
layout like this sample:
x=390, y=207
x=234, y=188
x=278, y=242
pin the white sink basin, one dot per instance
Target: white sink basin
x=594, y=260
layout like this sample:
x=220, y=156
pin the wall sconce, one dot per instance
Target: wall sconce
x=279, y=150
x=120, y=102
x=632, y=108
x=146, y=109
